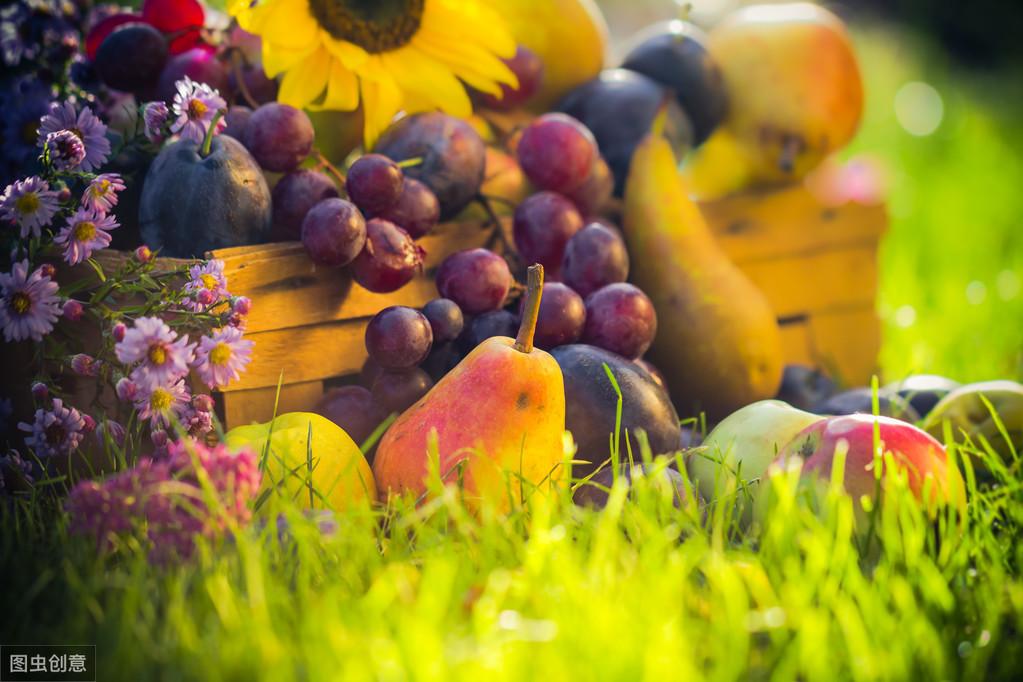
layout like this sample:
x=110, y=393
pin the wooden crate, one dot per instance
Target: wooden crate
x=816, y=264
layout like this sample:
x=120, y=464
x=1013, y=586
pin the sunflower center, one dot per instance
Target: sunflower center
x=27, y=203
x=374, y=25
x=196, y=108
x=85, y=230
x=209, y=281
x=160, y=399
x=157, y=354
x=220, y=354
x=20, y=302
x=55, y=433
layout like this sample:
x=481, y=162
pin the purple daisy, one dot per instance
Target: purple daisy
x=85, y=124
x=162, y=405
x=164, y=356
x=56, y=431
x=29, y=305
x=101, y=194
x=195, y=105
x=207, y=276
x=64, y=150
x=86, y=231
x=29, y=203
x=222, y=356
x=154, y=117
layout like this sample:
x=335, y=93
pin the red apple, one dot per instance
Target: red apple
x=914, y=451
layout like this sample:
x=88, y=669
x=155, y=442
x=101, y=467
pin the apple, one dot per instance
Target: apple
x=746, y=441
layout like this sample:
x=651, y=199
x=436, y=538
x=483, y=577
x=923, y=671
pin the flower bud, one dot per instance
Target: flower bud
x=126, y=389
x=241, y=305
x=90, y=423
x=200, y=424
x=159, y=438
x=236, y=320
x=143, y=254
x=40, y=391
x=118, y=332
x=205, y=297
x=112, y=429
x=73, y=310
x=84, y=365
x=64, y=195
x=202, y=402
x=48, y=270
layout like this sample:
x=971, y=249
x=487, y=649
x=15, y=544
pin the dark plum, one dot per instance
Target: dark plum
x=528, y=68
x=398, y=337
x=441, y=360
x=674, y=54
x=353, y=409
x=923, y=391
x=619, y=107
x=556, y=152
x=591, y=404
x=294, y=195
x=591, y=196
x=200, y=64
x=236, y=118
x=181, y=20
x=131, y=57
x=398, y=391
x=445, y=318
x=562, y=316
x=389, y=260
x=477, y=280
x=860, y=400
x=595, y=492
x=279, y=137
x=541, y=227
x=487, y=325
x=595, y=256
x=104, y=27
x=452, y=153
x=620, y=318
x=416, y=211
x=333, y=233
x=804, y=387
x=374, y=183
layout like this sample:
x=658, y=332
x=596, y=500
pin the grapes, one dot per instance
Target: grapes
x=236, y=118
x=620, y=318
x=543, y=223
x=104, y=27
x=528, y=68
x=487, y=325
x=131, y=57
x=353, y=409
x=398, y=391
x=445, y=318
x=260, y=88
x=200, y=64
x=294, y=196
x=595, y=256
x=176, y=17
x=562, y=316
x=374, y=183
x=333, y=232
x=369, y=372
x=389, y=260
x=441, y=360
x=399, y=337
x=416, y=211
x=279, y=137
x=556, y=152
x=591, y=196
x=477, y=280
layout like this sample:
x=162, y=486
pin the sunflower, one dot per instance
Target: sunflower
x=388, y=55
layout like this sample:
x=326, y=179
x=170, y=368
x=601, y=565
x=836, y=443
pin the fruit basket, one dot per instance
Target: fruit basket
x=815, y=263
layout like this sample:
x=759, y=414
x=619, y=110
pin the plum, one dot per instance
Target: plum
x=860, y=400
x=804, y=387
x=591, y=403
x=192, y=204
x=923, y=391
x=619, y=107
x=452, y=153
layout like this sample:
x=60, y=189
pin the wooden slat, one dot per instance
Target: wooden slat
x=257, y=405
x=795, y=342
x=846, y=344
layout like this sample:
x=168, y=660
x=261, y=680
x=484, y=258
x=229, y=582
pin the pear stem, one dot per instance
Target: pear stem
x=210, y=132
x=530, y=309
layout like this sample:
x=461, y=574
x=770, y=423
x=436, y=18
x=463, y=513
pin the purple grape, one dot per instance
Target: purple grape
x=294, y=196
x=398, y=337
x=199, y=64
x=556, y=152
x=591, y=196
x=620, y=318
x=389, y=260
x=477, y=280
x=445, y=318
x=353, y=409
x=595, y=256
x=442, y=359
x=542, y=225
x=562, y=316
x=487, y=325
x=279, y=137
x=374, y=183
x=333, y=232
x=398, y=391
x=369, y=372
x=261, y=88
x=416, y=211
x=528, y=68
x=131, y=57
x=237, y=119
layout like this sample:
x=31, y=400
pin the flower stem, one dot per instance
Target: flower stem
x=207, y=141
x=530, y=309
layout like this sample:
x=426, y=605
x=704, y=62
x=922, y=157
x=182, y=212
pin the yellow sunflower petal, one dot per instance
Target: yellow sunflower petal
x=471, y=63
x=306, y=82
x=415, y=72
x=285, y=23
x=350, y=54
x=277, y=60
x=342, y=88
x=472, y=22
x=381, y=100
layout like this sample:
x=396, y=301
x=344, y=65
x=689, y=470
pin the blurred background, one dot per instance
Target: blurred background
x=944, y=127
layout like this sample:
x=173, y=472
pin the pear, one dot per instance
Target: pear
x=495, y=422
x=718, y=343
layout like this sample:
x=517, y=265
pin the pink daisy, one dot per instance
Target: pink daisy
x=154, y=117
x=64, y=150
x=222, y=356
x=30, y=204
x=162, y=405
x=29, y=305
x=86, y=231
x=164, y=356
x=56, y=431
x=85, y=124
x=207, y=276
x=195, y=105
x=101, y=194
